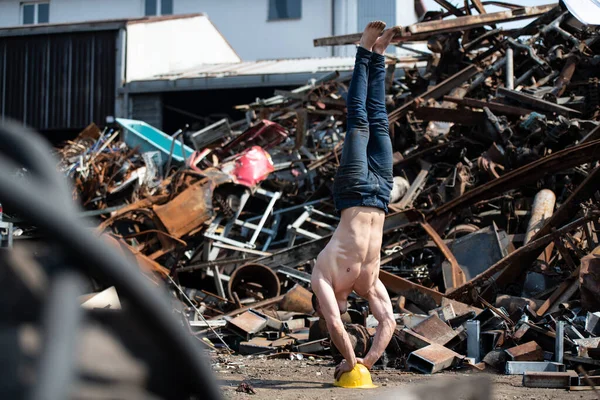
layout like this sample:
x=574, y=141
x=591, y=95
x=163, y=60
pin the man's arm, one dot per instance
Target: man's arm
x=381, y=308
x=330, y=311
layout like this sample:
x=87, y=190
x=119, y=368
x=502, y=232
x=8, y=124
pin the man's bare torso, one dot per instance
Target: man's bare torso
x=350, y=261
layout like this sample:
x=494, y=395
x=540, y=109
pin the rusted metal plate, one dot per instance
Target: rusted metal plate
x=436, y=330
x=187, y=211
x=247, y=324
x=549, y=379
x=412, y=339
x=529, y=351
x=144, y=263
x=432, y=359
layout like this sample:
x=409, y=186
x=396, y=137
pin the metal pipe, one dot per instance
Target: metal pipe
x=559, y=344
x=542, y=209
x=510, y=71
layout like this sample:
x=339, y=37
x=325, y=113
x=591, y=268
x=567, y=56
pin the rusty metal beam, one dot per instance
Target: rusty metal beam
x=437, y=91
x=422, y=30
x=496, y=108
x=458, y=276
x=559, y=161
x=396, y=284
x=536, y=103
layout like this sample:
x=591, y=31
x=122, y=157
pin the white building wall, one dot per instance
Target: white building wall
x=405, y=12
x=75, y=10
x=87, y=10
x=9, y=12
x=346, y=21
x=245, y=25
x=156, y=48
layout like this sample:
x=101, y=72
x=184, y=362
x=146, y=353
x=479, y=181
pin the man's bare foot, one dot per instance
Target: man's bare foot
x=384, y=40
x=371, y=33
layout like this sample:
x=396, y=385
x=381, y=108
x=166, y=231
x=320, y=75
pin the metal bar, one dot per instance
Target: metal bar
x=473, y=340
x=229, y=241
x=510, y=69
x=268, y=210
x=250, y=225
x=536, y=103
x=191, y=303
x=307, y=234
x=497, y=108
x=437, y=91
x=520, y=367
x=249, y=251
x=559, y=346
x=416, y=186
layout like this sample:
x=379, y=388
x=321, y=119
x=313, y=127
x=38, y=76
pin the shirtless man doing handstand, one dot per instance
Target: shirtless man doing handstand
x=362, y=186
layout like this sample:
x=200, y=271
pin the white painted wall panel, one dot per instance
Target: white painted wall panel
x=244, y=24
x=173, y=45
x=405, y=12
x=9, y=12
x=88, y=10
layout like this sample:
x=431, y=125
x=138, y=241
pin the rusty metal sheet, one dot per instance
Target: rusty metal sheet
x=432, y=359
x=529, y=351
x=188, y=210
x=144, y=263
x=436, y=330
x=412, y=339
x=247, y=324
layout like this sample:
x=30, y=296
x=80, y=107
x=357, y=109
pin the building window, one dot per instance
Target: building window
x=35, y=13
x=158, y=7
x=285, y=9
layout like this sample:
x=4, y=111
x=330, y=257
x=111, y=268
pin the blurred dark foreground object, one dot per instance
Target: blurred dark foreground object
x=51, y=347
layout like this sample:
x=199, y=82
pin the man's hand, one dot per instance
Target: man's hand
x=341, y=368
x=363, y=362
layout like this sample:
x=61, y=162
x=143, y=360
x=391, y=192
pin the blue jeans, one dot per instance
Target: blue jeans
x=364, y=177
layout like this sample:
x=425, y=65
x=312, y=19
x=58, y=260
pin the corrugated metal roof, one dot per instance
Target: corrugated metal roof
x=264, y=67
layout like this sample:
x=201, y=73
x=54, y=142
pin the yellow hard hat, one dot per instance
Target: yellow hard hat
x=358, y=378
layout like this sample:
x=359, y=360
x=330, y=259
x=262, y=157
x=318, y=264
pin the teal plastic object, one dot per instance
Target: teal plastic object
x=148, y=138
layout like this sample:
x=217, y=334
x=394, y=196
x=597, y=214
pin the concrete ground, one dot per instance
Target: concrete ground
x=312, y=379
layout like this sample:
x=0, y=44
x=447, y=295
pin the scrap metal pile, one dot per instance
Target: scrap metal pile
x=491, y=251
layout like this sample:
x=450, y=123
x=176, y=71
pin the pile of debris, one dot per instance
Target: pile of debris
x=491, y=252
